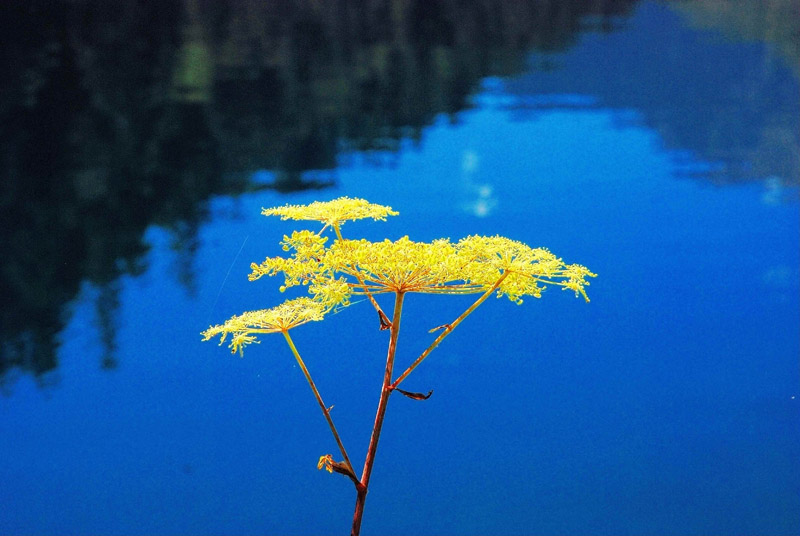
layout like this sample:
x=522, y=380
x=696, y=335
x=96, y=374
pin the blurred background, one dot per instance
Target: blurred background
x=658, y=143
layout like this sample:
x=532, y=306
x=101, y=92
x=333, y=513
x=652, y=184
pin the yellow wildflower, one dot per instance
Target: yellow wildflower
x=398, y=266
x=332, y=273
x=308, y=248
x=472, y=265
x=288, y=315
x=332, y=213
x=529, y=270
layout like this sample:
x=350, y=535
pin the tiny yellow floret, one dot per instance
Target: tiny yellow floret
x=326, y=462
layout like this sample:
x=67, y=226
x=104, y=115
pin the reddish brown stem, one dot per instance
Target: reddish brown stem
x=386, y=390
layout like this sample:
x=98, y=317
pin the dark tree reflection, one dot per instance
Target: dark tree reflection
x=118, y=115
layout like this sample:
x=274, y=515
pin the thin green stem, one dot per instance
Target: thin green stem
x=325, y=410
x=386, y=390
x=448, y=328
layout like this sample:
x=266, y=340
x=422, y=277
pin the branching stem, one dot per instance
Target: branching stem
x=448, y=328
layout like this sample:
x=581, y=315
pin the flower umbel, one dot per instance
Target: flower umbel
x=472, y=265
x=288, y=315
x=301, y=267
x=399, y=266
x=332, y=213
x=529, y=270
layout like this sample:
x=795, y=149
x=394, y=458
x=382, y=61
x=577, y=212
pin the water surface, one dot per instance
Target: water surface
x=657, y=144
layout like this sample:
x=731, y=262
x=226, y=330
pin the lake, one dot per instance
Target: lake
x=656, y=143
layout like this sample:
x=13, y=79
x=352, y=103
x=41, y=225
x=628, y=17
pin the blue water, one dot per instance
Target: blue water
x=670, y=404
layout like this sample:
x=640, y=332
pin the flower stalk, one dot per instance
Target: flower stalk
x=386, y=391
x=326, y=411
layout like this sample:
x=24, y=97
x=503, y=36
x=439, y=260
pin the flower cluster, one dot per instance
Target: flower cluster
x=440, y=267
x=289, y=314
x=528, y=270
x=332, y=213
x=398, y=266
x=333, y=273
